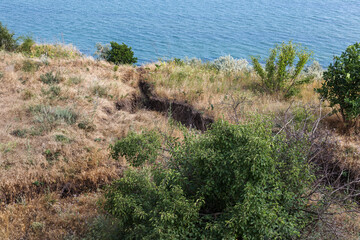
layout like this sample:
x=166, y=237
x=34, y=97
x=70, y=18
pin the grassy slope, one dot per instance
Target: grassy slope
x=41, y=153
x=51, y=169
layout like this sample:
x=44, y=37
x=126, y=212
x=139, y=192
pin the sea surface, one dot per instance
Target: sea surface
x=189, y=28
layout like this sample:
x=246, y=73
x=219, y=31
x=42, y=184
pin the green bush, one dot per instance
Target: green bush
x=120, y=54
x=26, y=45
x=281, y=73
x=341, y=85
x=7, y=40
x=137, y=148
x=146, y=209
x=232, y=182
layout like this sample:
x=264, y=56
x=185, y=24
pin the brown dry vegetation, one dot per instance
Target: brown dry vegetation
x=49, y=217
x=41, y=152
x=214, y=92
x=52, y=169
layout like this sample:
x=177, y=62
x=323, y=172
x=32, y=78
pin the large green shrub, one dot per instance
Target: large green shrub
x=150, y=205
x=281, y=74
x=232, y=182
x=120, y=54
x=7, y=40
x=341, y=85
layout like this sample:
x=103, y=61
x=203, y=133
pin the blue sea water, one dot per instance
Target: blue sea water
x=193, y=28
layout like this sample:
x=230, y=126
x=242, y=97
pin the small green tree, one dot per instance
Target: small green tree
x=7, y=40
x=282, y=70
x=341, y=85
x=120, y=54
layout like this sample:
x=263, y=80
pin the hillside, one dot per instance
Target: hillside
x=60, y=114
x=54, y=139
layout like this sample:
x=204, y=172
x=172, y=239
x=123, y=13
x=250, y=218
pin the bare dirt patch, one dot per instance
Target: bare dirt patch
x=182, y=112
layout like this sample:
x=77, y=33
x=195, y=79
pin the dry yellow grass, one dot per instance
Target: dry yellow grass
x=41, y=152
x=48, y=217
x=216, y=92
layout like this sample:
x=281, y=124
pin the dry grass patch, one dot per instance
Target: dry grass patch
x=218, y=92
x=48, y=217
x=55, y=131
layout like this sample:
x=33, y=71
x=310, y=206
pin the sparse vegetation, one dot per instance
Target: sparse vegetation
x=30, y=66
x=50, y=78
x=7, y=147
x=98, y=90
x=59, y=51
x=28, y=46
x=86, y=125
x=51, y=156
x=75, y=80
x=52, y=92
x=61, y=138
x=51, y=116
x=27, y=94
x=19, y=133
x=178, y=62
